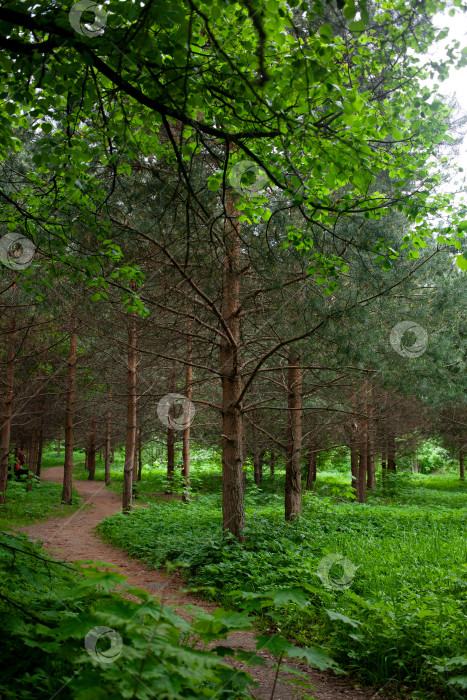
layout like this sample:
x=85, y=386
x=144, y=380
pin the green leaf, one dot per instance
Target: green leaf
x=350, y=9
x=314, y=657
x=333, y=615
x=358, y=26
x=326, y=32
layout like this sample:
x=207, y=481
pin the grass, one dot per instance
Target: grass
x=50, y=459
x=403, y=615
x=205, y=475
x=42, y=502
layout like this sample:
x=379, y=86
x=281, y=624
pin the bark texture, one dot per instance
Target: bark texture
x=293, y=474
x=69, y=414
x=7, y=410
x=187, y=429
x=233, y=511
x=108, y=437
x=131, y=417
x=92, y=453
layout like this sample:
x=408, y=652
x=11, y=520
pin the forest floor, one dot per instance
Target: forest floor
x=72, y=539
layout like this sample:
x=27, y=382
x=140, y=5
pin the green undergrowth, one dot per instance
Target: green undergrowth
x=67, y=632
x=50, y=459
x=205, y=475
x=41, y=502
x=403, y=613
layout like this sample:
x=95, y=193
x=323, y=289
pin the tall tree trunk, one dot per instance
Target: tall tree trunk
x=461, y=462
x=363, y=446
x=7, y=411
x=244, y=451
x=371, y=471
x=135, y=461
x=363, y=462
x=272, y=463
x=233, y=510
x=92, y=453
x=35, y=431
x=171, y=434
x=170, y=453
x=257, y=458
x=131, y=417
x=293, y=475
x=187, y=429
x=40, y=450
x=108, y=429
x=353, y=443
x=383, y=458
x=391, y=452
x=312, y=458
x=140, y=454
x=69, y=415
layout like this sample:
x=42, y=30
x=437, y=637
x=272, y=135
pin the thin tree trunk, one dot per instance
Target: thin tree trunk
x=353, y=444
x=257, y=460
x=7, y=411
x=131, y=417
x=371, y=472
x=140, y=454
x=170, y=453
x=92, y=453
x=69, y=414
x=383, y=460
x=363, y=447
x=391, y=452
x=461, y=462
x=135, y=461
x=171, y=435
x=187, y=429
x=108, y=429
x=293, y=475
x=312, y=456
x=244, y=451
x=35, y=432
x=40, y=450
x=272, y=463
x=363, y=462
x=233, y=510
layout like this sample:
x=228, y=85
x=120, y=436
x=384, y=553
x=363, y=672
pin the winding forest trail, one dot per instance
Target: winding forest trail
x=72, y=539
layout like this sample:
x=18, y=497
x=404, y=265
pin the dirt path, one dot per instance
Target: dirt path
x=72, y=539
